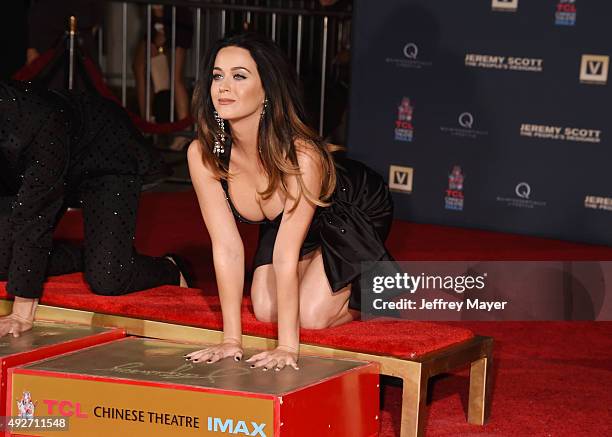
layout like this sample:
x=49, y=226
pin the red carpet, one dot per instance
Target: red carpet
x=550, y=378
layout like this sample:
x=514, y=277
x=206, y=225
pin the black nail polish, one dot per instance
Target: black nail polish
x=252, y=366
x=237, y=358
x=209, y=361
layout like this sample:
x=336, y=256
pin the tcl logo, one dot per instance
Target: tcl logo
x=64, y=408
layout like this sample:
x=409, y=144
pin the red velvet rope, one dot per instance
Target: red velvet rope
x=32, y=70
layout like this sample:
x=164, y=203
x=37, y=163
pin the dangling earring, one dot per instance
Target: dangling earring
x=263, y=112
x=265, y=106
x=219, y=147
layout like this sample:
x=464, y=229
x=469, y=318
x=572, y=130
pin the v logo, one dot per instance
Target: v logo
x=401, y=177
x=594, y=67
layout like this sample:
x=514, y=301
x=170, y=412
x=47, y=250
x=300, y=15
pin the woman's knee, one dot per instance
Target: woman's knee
x=264, y=306
x=315, y=315
x=320, y=309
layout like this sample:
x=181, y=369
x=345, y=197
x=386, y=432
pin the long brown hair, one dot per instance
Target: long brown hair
x=282, y=124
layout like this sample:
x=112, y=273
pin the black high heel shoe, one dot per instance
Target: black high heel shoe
x=183, y=266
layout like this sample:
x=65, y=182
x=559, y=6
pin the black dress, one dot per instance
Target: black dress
x=350, y=231
x=57, y=149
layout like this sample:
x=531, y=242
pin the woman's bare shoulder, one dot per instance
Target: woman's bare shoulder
x=308, y=154
x=194, y=150
x=195, y=158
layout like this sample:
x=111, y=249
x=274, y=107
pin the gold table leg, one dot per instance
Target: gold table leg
x=414, y=408
x=480, y=388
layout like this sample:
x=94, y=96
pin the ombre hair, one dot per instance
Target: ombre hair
x=280, y=127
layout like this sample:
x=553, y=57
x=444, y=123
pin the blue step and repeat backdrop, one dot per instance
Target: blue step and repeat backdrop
x=491, y=114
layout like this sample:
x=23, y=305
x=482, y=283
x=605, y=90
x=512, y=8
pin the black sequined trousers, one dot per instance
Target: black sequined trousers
x=108, y=259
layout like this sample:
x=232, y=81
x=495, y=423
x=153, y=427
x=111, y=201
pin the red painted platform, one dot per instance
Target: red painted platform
x=143, y=387
x=43, y=341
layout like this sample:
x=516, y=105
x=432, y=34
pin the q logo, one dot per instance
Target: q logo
x=411, y=50
x=523, y=190
x=466, y=120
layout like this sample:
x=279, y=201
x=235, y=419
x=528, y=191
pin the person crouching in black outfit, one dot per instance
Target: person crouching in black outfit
x=56, y=149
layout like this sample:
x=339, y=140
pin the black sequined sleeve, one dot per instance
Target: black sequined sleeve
x=38, y=202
